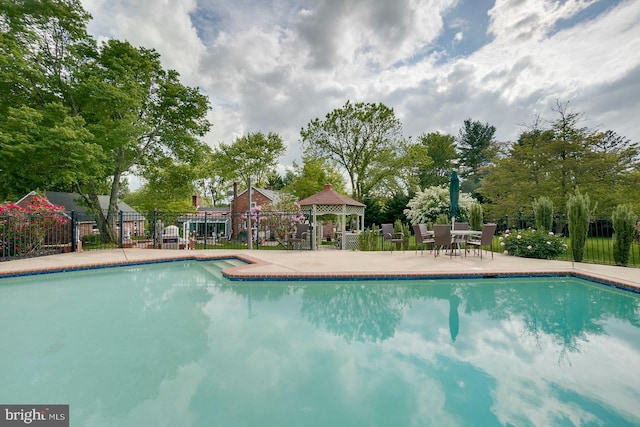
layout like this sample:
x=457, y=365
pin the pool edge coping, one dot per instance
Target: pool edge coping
x=243, y=272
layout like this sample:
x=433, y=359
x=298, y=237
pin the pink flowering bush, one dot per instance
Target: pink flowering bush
x=532, y=244
x=280, y=218
x=24, y=230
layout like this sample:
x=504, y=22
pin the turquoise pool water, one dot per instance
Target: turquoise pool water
x=175, y=344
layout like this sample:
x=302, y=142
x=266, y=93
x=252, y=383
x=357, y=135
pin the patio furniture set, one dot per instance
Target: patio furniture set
x=454, y=238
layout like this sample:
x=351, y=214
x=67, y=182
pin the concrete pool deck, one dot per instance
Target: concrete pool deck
x=276, y=264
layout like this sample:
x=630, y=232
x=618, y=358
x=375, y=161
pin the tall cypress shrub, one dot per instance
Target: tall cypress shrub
x=475, y=216
x=578, y=214
x=623, y=233
x=369, y=239
x=543, y=213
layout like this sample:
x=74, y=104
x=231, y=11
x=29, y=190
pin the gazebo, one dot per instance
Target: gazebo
x=328, y=201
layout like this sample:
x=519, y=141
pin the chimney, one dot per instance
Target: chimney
x=328, y=187
x=195, y=201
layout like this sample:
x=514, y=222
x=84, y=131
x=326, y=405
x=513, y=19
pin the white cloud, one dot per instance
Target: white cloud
x=276, y=65
x=162, y=25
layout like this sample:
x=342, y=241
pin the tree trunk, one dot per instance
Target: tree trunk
x=112, y=212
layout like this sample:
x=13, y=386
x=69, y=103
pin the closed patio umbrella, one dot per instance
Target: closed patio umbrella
x=454, y=196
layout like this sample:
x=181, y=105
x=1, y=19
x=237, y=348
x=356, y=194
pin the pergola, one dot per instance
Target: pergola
x=328, y=201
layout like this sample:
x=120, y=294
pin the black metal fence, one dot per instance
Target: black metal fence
x=31, y=235
x=599, y=246
x=28, y=235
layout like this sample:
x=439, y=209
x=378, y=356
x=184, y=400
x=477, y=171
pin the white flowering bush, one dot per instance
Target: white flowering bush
x=427, y=205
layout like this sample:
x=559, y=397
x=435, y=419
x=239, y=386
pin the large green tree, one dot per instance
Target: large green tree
x=140, y=114
x=557, y=160
x=310, y=177
x=253, y=156
x=477, y=147
x=519, y=177
x=169, y=187
x=132, y=112
x=42, y=140
x=441, y=150
x=362, y=139
x=45, y=148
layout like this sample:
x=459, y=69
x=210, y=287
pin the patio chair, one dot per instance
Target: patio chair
x=457, y=240
x=442, y=238
x=422, y=237
x=486, y=239
x=302, y=234
x=391, y=236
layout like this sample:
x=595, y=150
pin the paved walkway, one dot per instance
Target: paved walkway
x=334, y=263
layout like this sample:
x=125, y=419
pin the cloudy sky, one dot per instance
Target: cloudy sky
x=274, y=65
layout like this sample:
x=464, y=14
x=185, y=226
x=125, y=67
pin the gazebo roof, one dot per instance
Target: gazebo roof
x=329, y=197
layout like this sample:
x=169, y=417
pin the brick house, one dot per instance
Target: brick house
x=240, y=206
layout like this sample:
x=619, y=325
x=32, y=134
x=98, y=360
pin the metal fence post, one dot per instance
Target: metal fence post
x=121, y=230
x=155, y=232
x=74, y=231
x=205, y=229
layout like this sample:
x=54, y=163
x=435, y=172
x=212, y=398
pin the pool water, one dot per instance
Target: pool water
x=175, y=344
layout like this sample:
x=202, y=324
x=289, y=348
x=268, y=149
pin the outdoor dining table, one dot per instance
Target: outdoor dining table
x=464, y=234
x=460, y=233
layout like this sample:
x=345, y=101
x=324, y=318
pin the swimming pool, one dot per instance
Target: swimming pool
x=176, y=344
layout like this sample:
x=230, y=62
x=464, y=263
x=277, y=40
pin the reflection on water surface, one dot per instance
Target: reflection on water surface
x=174, y=344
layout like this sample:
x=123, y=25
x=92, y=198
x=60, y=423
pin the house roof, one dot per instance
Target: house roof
x=272, y=195
x=72, y=202
x=328, y=196
x=218, y=209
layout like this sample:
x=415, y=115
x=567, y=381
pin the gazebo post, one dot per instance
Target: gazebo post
x=344, y=225
x=314, y=237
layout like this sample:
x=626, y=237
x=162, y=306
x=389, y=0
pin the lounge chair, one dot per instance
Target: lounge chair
x=391, y=236
x=486, y=239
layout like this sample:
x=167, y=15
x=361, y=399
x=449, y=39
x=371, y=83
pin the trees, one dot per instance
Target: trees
x=556, y=160
x=140, y=114
x=110, y=109
x=477, y=148
x=42, y=138
x=309, y=178
x=44, y=148
x=442, y=152
x=252, y=156
x=169, y=187
x=361, y=138
x=521, y=176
